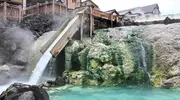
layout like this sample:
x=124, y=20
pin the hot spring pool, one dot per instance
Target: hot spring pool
x=115, y=93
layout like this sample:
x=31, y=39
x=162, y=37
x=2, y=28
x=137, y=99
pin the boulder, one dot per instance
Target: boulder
x=4, y=74
x=21, y=57
x=18, y=91
x=27, y=96
x=4, y=68
x=38, y=23
x=167, y=20
x=172, y=83
x=56, y=83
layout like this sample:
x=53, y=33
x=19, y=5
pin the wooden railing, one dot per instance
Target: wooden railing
x=101, y=14
x=46, y=8
x=15, y=12
x=10, y=11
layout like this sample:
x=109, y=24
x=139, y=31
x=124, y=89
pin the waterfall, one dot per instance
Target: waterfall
x=143, y=54
x=40, y=67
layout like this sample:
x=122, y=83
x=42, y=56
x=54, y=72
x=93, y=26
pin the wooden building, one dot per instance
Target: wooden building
x=17, y=9
x=73, y=4
x=14, y=9
x=11, y=9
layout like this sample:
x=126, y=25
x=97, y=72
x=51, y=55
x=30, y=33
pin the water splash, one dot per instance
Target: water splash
x=4, y=87
x=40, y=67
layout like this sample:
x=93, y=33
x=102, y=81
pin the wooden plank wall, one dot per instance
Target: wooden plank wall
x=10, y=11
x=15, y=12
x=46, y=8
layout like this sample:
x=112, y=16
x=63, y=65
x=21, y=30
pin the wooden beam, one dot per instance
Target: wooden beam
x=20, y=13
x=91, y=21
x=81, y=27
x=38, y=11
x=60, y=9
x=5, y=10
x=53, y=8
x=46, y=7
x=24, y=6
x=111, y=20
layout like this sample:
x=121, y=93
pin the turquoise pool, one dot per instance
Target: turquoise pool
x=115, y=93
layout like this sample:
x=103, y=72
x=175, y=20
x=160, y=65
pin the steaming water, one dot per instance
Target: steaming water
x=40, y=67
x=115, y=93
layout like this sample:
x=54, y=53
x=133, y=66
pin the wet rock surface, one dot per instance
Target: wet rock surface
x=135, y=53
x=38, y=23
x=109, y=60
x=56, y=83
x=173, y=82
x=27, y=96
x=19, y=91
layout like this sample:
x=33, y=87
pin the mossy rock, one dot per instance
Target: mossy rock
x=109, y=62
x=82, y=57
x=77, y=77
x=138, y=76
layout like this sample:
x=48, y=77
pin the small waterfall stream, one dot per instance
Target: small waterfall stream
x=143, y=54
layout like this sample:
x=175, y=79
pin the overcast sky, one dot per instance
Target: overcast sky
x=166, y=6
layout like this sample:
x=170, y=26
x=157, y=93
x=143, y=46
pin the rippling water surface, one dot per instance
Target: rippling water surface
x=116, y=93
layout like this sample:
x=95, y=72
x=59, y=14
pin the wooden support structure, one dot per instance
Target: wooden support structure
x=53, y=8
x=5, y=10
x=91, y=21
x=81, y=26
x=20, y=13
x=46, y=7
x=111, y=21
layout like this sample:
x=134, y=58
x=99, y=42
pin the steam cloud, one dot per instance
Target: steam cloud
x=14, y=45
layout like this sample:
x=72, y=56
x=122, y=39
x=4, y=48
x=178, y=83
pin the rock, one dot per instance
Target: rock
x=111, y=75
x=60, y=81
x=4, y=74
x=78, y=77
x=4, y=68
x=172, y=83
x=112, y=60
x=19, y=91
x=21, y=57
x=167, y=20
x=38, y=23
x=27, y=96
x=56, y=83
x=168, y=84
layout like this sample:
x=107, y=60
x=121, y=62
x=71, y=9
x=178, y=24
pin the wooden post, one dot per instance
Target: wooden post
x=67, y=6
x=38, y=8
x=20, y=13
x=24, y=5
x=46, y=7
x=5, y=10
x=53, y=8
x=91, y=21
x=66, y=10
x=60, y=9
x=111, y=19
x=81, y=27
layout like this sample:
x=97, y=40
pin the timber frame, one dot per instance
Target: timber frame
x=98, y=19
